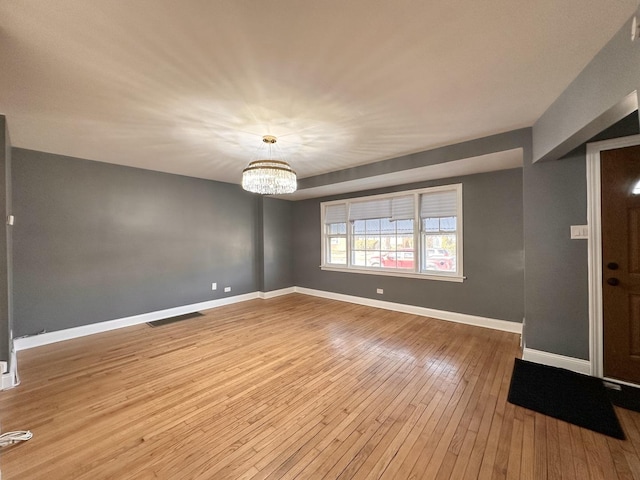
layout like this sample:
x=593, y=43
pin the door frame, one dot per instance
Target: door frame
x=594, y=247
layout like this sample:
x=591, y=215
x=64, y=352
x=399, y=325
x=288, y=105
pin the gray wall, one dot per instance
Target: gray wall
x=277, y=244
x=96, y=242
x=6, y=287
x=556, y=276
x=493, y=253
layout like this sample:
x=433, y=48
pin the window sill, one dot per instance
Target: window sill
x=387, y=273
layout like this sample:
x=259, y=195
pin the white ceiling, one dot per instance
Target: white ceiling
x=190, y=87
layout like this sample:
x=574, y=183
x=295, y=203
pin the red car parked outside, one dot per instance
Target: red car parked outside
x=437, y=259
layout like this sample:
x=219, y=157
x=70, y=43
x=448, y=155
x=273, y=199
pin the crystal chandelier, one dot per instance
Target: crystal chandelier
x=269, y=177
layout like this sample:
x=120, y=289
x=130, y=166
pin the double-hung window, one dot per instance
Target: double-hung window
x=414, y=234
x=335, y=219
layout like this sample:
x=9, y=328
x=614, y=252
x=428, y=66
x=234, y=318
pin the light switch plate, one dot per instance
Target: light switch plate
x=579, y=232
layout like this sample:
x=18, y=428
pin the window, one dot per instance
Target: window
x=438, y=218
x=415, y=234
x=335, y=218
x=380, y=229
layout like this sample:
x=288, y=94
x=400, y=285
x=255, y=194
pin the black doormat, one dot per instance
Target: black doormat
x=167, y=321
x=623, y=395
x=565, y=395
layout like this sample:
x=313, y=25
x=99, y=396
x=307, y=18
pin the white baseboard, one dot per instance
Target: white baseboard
x=554, y=360
x=75, y=332
x=276, y=293
x=477, y=321
x=7, y=381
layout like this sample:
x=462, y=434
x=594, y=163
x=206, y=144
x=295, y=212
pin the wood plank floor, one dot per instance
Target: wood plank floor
x=293, y=387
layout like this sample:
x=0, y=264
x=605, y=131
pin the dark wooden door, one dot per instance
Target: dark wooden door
x=620, y=177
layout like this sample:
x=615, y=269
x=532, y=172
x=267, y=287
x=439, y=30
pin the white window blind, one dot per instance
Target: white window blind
x=335, y=213
x=439, y=204
x=370, y=209
x=402, y=208
x=395, y=208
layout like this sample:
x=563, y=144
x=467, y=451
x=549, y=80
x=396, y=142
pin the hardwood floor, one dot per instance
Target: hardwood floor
x=293, y=387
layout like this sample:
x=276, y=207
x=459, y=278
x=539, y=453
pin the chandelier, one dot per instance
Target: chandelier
x=269, y=177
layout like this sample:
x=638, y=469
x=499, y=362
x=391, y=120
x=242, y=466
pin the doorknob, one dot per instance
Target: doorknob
x=612, y=266
x=613, y=281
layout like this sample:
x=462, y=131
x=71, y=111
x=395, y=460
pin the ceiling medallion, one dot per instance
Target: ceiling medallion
x=269, y=177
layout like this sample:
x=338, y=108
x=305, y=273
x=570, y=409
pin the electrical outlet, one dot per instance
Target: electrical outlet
x=227, y=289
x=380, y=291
x=214, y=286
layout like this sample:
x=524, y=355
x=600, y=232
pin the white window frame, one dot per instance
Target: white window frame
x=457, y=276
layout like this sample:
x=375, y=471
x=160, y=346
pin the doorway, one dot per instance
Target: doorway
x=620, y=214
x=614, y=285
